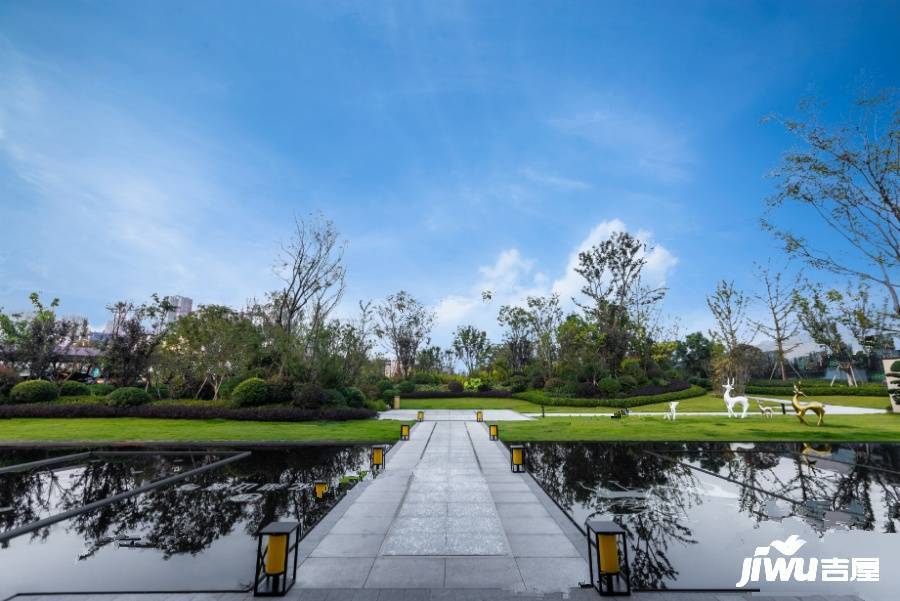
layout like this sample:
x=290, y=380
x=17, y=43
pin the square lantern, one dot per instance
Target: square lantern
x=320, y=488
x=479, y=416
x=517, y=458
x=608, y=540
x=404, y=431
x=420, y=416
x=493, y=431
x=378, y=457
x=273, y=578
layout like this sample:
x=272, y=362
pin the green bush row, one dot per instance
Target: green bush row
x=862, y=390
x=540, y=398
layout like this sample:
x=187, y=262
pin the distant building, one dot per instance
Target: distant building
x=182, y=306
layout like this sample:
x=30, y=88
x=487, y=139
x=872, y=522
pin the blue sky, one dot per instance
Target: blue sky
x=458, y=146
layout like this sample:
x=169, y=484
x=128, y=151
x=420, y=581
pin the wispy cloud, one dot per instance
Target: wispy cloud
x=554, y=181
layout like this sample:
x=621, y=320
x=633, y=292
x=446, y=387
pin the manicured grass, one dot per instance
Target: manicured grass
x=882, y=428
x=870, y=402
x=132, y=429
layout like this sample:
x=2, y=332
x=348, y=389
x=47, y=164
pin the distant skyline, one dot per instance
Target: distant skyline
x=458, y=147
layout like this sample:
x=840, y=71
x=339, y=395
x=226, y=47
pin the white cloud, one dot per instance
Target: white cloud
x=554, y=181
x=511, y=278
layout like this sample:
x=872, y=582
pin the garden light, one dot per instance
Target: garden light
x=272, y=578
x=493, y=431
x=378, y=453
x=420, y=416
x=479, y=416
x=517, y=458
x=612, y=573
x=404, y=431
x=320, y=487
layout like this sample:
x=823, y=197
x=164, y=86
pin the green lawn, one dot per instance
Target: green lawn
x=884, y=428
x=133, y=429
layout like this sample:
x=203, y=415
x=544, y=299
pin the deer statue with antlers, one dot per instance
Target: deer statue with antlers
x=731, y=401
x=802, y=408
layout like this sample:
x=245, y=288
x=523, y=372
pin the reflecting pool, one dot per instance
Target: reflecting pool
x=695, y=512
x=195, y=534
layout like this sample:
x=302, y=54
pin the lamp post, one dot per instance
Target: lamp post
x=404, y=431
x=613, y=574
x=272, y=578
x=517, y=458
x=378, y=456
x=479, y=416
x=493, y=431
x=420, y=416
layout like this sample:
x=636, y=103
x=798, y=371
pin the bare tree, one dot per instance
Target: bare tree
x=849, y=176
x=405, y=325
x=734, y=331
x=782, y=325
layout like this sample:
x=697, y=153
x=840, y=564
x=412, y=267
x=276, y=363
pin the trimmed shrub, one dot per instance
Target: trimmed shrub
x=455, y=386
x=101, y=389
x=862, y=390
x=252, y=392
x=334, y=396
x=704, y=382
x=192, y=411
x=609, y=386
x=541, y=398
x=587, y=389
x=384, y=385
x=8, y=378
x=375, y=405
x=127, y=397
x=355, y=397
x=226, y=389
x=444, y=394
x=310, y=396
x=537, y=382
x=70, y=388
x=518, y=384
x=406, y=386
x=628, y=382
x=33, y=391
x=388, y=395
x=425, y=378
x=484, y=386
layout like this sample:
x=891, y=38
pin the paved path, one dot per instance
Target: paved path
x=447, y=513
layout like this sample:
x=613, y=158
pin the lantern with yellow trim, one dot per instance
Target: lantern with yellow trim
x=517, y=458
x=420, y=416
x=479, y=416
x=272, y=577
x=378, y=457
x=404, y=431
x=493, y=431
x=606, y=540
x=320, y=488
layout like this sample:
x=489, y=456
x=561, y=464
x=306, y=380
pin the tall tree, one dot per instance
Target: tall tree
x=137, y=331
x=516, y=337
x=818, y=314
x=545, y=316
x=694, y=355
x=734, y=331
x=612, y=272
x=39, y=340
x=849, y=177
x=782, y=325
x=471, y=347
x=404, y=325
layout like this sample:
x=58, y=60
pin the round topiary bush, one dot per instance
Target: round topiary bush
x=388, y=395
x=355, y=397
x=251, y=393
x=384, y=385
x=609, y=386
x=406, y=386
x=33, y=391
x=70, y=388
x=8, y=378
x=101, y=389
x=455, y=386
x=333, y=396
x=127, y=397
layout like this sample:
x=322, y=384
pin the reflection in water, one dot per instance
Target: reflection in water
x=686, y=507
x=186, y=519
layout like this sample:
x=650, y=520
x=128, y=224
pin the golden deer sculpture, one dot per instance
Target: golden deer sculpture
x=802, y=408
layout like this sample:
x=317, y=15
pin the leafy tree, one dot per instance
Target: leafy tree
x=734, y=331
x=613, y=286
x=545, y=316
x=137, y=331
x=404, y=325
x=436, y=359
x=817, y=311
x=216, y=342
x=694, y=355
x=517, y=336
x=580, y=348
x=38, y=340
x=471, y=346
x=848, y=176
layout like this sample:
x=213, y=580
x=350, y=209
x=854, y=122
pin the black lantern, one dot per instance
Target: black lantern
x=272, y=578
x=607, y=538
x=517, y=458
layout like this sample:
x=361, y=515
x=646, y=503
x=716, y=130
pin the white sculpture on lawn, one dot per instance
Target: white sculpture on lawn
x=731, y=401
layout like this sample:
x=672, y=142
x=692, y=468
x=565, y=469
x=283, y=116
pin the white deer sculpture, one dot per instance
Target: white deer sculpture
x=731, y=401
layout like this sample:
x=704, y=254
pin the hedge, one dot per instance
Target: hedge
x=261, y=414
x=127, y=397
x=101, y=389
x=33, y=391
x=540, y=398
x=252, y=392
x=72, y=388
x=862, y=390
x=445, y=394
